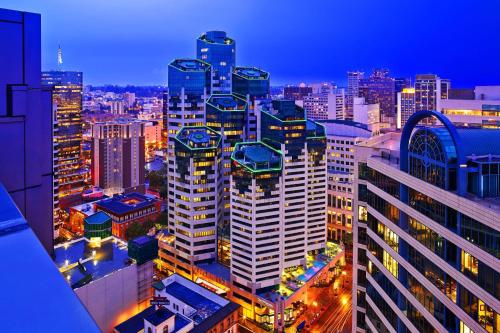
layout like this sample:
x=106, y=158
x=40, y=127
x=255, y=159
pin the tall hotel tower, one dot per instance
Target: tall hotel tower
x=219, y=51
x=257, y=224
x=67, y=105
x=118, y=156
x=303, y=143
x=188, y=88
x=251, y=84
x=226, y=114
x=196, y=185
x=427, y=250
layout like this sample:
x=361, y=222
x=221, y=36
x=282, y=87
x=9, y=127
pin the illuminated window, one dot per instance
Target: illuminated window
x=469, y=264
x=390, y=263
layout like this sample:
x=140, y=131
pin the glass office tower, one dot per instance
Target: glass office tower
x=67, y=87
x=252, y=84
x=219, y=51
x=226, y=114
x=427, y=246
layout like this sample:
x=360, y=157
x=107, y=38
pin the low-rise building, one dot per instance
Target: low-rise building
x=127, y=209
x=124, y=210
x=184, y=307
x=103, y=276
x=481, y=110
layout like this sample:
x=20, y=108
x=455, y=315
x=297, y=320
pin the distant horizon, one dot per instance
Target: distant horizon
x=112, y=42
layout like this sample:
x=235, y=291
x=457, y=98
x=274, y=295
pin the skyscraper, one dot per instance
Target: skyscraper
x=196, y=186
x=322, y=106
x=188, y=88
x=226, y=114
x=353, y=81
x=303, y=143
x=219, y=51
x=432, y=230
x=406, y=106
x=251, y=84
x=379, y=88
x=342, y=138
x=26, y=124
x=429, y=90
x=257, y=203
x=118, y=156
x=67, y=95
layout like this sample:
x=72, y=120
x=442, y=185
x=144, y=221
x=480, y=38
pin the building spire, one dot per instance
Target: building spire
x=59, y=57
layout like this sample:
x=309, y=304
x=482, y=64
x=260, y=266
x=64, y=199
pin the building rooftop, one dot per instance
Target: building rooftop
x=204, y=306
x=314, y=129
x=97, y=218
x=216, y=318
x=30, y=279
x=209, y=307
x=216, y=37
x=198, y=137
x=475, y=141
x=216, y=269
x=190, y=65
x=251, y=73
x=86, y=208
x=82, y=261
x=135, y=324
x=159, y=316
x=347, y=127
x=257, y=156
x=227, y=102
x=125, y=203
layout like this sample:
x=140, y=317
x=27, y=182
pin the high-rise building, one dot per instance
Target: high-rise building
x=429, y=91
x=406, y=106
x=379, y=144
x=117, y=107
x=67, y=95
x=285, y=127
x=257, y=204
x=26, y=123
x=226, y=114
x=324, y=106
x=297, y=93
x=342, y=138
x=219, y=51
x=196, y=185
x=188, y=89
x=118, y=156
x=353, y=80
x=253, y=85
x=128, y=99
x=432, y=230
x=379, y=88
x=401, y=83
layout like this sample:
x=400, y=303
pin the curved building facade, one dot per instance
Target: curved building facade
x=427, y=246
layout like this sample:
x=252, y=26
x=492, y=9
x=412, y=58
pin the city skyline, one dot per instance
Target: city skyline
x=123, y=46
x=217, y=202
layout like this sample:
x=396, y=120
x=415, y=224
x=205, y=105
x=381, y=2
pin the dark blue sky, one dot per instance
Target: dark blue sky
x=131, y=42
